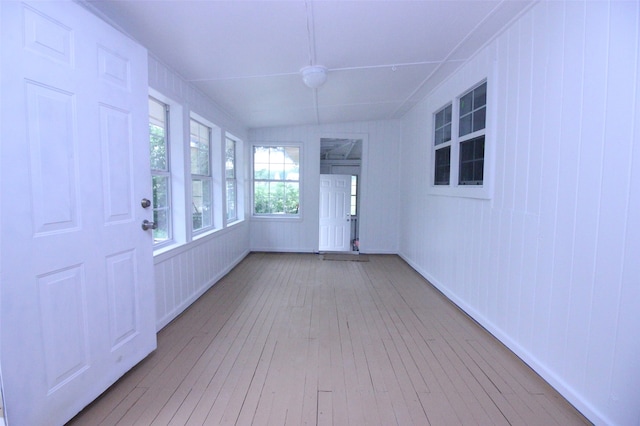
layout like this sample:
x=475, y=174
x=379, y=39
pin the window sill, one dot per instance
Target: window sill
x=204, y=233
x=463, y=191
x=277, y=218
x=163, y=253
x=166, y=248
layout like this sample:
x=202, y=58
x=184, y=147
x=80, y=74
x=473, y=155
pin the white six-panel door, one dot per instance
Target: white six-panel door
x=335, y=209
x=77, y=290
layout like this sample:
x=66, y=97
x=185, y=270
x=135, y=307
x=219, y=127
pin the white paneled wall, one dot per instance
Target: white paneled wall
x=380, y=210
x=185, y=272
x=551, y=263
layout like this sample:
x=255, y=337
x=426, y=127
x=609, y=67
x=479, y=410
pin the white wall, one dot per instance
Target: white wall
x=379, y=209
x=185, y=272
x=550, y=264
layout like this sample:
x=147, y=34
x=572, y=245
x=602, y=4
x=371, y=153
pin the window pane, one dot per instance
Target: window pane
x=440, y=119
x=261, y=197
x=480, y=96
x=260, y=162
x=466, y=151
x=276, y=163
x=473, y=110
x=446, y=133
x=442, y=166
x=466, y=172
x=158, y=135
x=354, y=195
x=230, y=159
x=276, y=197
x=443, y=126
x=466, y=103
x=161, y=233
x=439, y=138
x=479, y=148
x=200, y=143
x=472, y=161
x=230, y=175
x=201, y=204
x=447, y=114
x=479, y=118
x=292, y=155
x=291, y=197
x=231, y=200
x=465, y=125
x=158, y=147
x=160, y=191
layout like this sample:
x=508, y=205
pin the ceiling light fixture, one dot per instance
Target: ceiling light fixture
x=314, y=76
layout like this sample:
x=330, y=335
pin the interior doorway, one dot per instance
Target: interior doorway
x=341, y=156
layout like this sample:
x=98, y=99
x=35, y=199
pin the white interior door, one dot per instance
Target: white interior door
x=335, y=217
x=77, y=297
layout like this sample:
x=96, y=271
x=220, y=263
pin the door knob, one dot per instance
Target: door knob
x=145, y=203
x=146, y=225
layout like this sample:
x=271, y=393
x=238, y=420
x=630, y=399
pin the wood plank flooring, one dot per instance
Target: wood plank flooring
x=290, y=339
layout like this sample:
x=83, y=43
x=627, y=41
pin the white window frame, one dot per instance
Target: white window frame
x=233, y=179
x=442, y=145
x=278, y=216
x=177, y=167
x=472, y=134
x=450, y=93
x=204, y=178
x=163, y=173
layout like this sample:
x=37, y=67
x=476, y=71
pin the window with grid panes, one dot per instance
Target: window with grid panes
x=442, y=146
x=201, y=180
x=471, y=132
x=354, y=195
x=276, y=180
x=160, y=171
x=231, y=180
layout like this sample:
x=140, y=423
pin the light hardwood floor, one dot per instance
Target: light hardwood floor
x=291, y=339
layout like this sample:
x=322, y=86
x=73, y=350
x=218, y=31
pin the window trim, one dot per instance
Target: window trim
x=278, y=216
x=452, y=92
x=203, y=178
x=166, y=174
x=177, y=164
x=234, y=179
x=442, y=145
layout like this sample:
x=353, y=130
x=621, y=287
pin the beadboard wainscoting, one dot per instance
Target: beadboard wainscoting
x=549, y=261
x=184, y=274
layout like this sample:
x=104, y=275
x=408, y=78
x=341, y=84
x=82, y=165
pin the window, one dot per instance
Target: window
x=442, y=144
x=231, y=181
x=459, y=140
x=354, y=195
x=276, y=180
x=471, y=161
x=201, y=181
x=160, y=172
x=473, y=114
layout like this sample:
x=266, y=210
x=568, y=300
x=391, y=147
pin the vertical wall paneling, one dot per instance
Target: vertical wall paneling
x=549, y=263
x=626, y=369
x=618, y=136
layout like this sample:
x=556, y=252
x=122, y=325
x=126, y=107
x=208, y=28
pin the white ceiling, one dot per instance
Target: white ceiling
x=382, y=56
